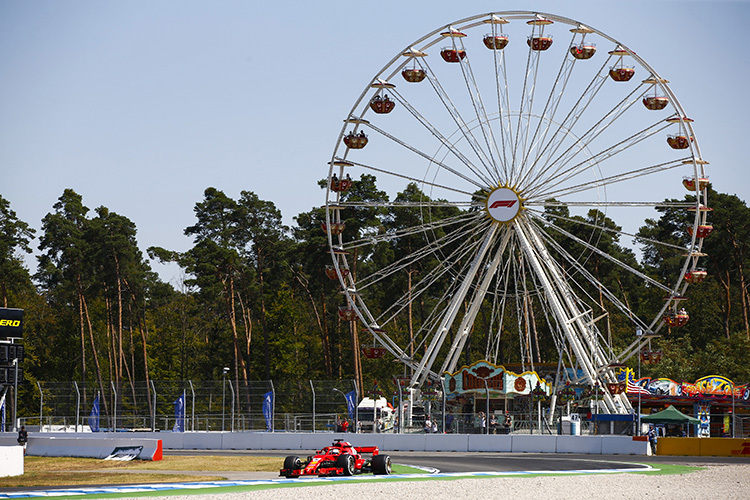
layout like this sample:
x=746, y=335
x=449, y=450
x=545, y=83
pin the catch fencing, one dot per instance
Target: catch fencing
x=212, y=405
x=295, y=406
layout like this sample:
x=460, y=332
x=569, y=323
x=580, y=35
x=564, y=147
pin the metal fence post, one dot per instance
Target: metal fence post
x=41, y=404
x=114, y=406
x=273, y=405
x=78, y=404
x=445, y=398
x=153, y=406
x=312, y=388
x=356, y=407
x=231, y=388
x=192, y=406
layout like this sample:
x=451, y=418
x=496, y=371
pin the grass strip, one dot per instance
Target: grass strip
x=668, y=469
x=76, y=479
x=658, y=469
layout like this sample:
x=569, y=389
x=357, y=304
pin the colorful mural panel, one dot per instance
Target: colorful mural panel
x=472, y=379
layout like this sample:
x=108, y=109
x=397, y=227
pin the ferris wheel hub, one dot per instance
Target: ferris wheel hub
x=504, y=204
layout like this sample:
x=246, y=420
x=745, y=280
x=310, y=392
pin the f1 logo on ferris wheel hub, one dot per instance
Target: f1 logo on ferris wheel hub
x=503, y=204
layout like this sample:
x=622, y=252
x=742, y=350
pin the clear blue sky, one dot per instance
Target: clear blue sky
x=141, y=105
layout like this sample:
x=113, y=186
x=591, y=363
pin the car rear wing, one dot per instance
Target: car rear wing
x=367, y=449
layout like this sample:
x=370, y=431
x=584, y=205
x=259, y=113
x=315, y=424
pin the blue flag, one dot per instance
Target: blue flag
x=94, y=415
x=268, y=409
x=179, y=414
x=350, y=402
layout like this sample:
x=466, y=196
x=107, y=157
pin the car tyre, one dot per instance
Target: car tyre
x=347, y=464
x=381, y=464
x=292, y=463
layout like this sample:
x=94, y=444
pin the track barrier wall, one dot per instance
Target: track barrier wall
x=92, y=446
x=703, y=447
x=11, y=460
x=101, y=446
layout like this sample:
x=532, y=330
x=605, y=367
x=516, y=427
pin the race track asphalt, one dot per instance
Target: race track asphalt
x=496, y=462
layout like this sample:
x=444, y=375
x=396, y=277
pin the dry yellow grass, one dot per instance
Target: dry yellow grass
x=60, y=471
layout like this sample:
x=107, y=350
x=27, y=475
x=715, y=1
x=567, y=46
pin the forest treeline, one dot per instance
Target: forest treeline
x=256, y=297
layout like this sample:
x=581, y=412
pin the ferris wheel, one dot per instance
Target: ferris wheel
x=517, y=142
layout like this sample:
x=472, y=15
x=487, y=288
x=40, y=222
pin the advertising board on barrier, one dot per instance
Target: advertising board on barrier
x=11, y=323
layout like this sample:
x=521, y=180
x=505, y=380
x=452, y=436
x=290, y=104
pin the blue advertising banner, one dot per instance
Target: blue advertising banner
x=268, y=409
x=351, y=402
x=179, y=414
x=94, y=415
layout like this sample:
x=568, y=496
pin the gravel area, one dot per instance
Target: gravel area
x=715, y=482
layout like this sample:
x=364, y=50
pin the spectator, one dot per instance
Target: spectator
x=23, y=438
x=652, y=438
x=508, y=423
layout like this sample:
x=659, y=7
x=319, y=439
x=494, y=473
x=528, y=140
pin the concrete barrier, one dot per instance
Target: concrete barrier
x=534, y=444
x=579, y=444
x=502, y=443
x=91, y=446
x=624, y=445
x=11, y=461
x=489, y=442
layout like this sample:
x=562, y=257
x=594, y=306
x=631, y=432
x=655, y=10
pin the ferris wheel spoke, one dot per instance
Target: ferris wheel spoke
x=543, y=127
x=587, y=138
x=455, y=263
x=405, y=204
x=604, y=204
x=561, y=175
x=565, y=307
x=452, y=309
x=499, y=304
x=451, y=359
x=455, y=114
x=460, y=237
x=432, y=159
x=431, y=225
x=568, y=123
x=391, y=173
x=598, y=227
x=607, y=256
x=503, y=107
x=524, y=108
x=482, y=117
x=593, y=280
x=608, y=181
x=439, y=136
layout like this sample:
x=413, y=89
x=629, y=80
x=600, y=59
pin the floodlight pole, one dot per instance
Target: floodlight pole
x=732, y=408
x=639, y=333
x=223, y=395
x=15, y=396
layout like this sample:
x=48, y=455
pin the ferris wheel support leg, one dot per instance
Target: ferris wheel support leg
x=588, y=332
x=425, y=365
x=451, y=360
x=568, y=314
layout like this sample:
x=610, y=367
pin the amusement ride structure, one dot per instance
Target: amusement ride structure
x=523, y=135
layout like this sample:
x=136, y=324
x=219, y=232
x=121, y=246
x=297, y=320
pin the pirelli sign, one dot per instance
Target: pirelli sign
x=11, y=323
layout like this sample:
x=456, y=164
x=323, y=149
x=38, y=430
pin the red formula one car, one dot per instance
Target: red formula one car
x=340, y=459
